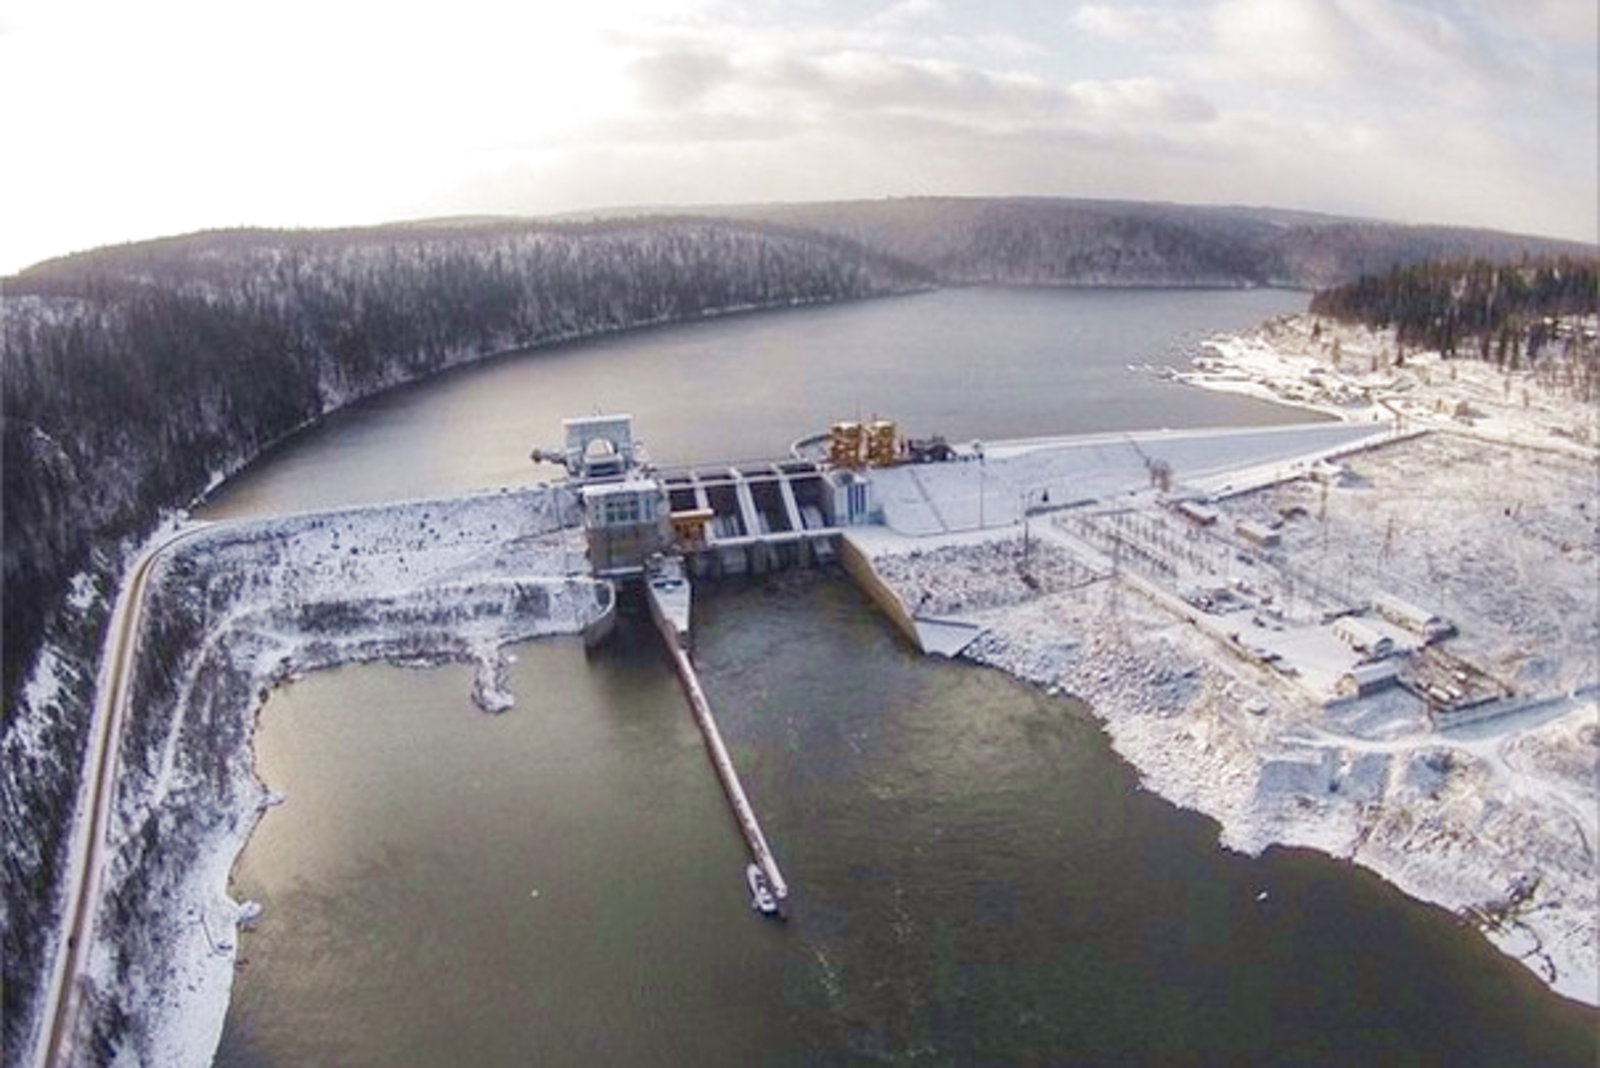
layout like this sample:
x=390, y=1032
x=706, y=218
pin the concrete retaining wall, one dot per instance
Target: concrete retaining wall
x=859, y=565
x=602, y=628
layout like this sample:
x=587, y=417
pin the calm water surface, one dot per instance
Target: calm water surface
x=977, y=878
x=973, y=363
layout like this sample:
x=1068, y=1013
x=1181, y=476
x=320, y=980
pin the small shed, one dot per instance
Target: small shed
x=1257, y=534
x=1364, y=679
x=1327, y=471
x=1201, y=515
x=1362, y=636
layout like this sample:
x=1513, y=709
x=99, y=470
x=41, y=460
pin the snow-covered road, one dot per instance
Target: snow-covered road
x=85, y=865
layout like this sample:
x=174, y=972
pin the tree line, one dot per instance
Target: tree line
x=136, y=375
x=1510, y=314
x=1076, y=242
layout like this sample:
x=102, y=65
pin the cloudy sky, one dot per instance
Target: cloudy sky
x=125, y=120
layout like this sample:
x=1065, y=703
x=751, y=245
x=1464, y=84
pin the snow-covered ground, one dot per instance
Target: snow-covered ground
x=236, y=609
x=1358, y=374
x=1216, y=661
x=1213, y=661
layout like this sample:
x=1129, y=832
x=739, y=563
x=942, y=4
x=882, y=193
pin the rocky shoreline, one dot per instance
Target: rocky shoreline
x=1495, y=819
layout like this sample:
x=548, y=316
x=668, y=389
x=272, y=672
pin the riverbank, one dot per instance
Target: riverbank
x=1207, y=642
x=1451, y=817
x=237, y=610
x=1359, y=374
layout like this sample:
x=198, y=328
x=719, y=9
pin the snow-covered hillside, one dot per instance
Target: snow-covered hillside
x=137, y=377
x=1216, y=661
x=235, y=610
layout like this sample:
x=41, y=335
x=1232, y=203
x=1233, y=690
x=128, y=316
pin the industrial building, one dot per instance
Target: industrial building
x=1364, y=679
x=1417, y=620
x=1363, y=637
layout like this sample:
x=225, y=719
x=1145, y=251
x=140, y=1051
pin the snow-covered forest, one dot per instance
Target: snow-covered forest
x=1069, y=242
x=136, y=377
x=1527, y=315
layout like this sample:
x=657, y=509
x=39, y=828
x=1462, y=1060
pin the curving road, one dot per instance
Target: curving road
x=86, y=859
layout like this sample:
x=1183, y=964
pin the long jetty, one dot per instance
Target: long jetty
x=743, y=811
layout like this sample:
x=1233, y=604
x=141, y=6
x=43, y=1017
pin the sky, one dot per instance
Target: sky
x=123, y=121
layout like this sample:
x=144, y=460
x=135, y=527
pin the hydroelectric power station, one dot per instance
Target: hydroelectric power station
x=859, y=492
x=658, y=528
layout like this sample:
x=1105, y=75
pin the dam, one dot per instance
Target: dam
x=861, y=491
x=652, y=529
x=657, y=528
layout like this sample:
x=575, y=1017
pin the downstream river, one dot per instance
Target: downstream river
x=977, y=878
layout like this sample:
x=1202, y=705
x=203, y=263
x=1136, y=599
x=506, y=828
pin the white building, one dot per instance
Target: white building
x=599, y=446
x=1258, y=534
x=626, y=523
x=1369, y=678
x=1363, y=637
x=1405, y=614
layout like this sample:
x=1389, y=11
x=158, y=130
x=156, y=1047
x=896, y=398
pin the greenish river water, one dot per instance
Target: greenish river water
x=977, y=878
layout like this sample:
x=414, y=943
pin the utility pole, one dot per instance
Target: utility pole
x=978, y=448
x=1027, y=543
x=1115, y=592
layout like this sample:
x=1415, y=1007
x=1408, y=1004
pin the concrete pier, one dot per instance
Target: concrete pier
x=743, y=812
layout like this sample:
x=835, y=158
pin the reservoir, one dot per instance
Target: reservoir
x=977, y=878
x=969, y=363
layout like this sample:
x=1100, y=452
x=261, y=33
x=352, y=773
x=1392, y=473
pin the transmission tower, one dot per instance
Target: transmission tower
x=1114, y=598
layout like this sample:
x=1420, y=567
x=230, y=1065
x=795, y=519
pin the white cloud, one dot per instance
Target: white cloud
x=679, y=78
x=1554, y=24
x=1294, y=41
x=177, y=114
x=907, y=13
x=1140, y=101
x=848, y=88
x=1134, y=25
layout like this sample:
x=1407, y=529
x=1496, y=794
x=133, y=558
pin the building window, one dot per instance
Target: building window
x=620, y=510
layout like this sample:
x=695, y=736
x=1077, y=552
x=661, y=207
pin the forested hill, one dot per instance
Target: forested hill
x=136, y=374
x=1041, y=241
x=1494, y=311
